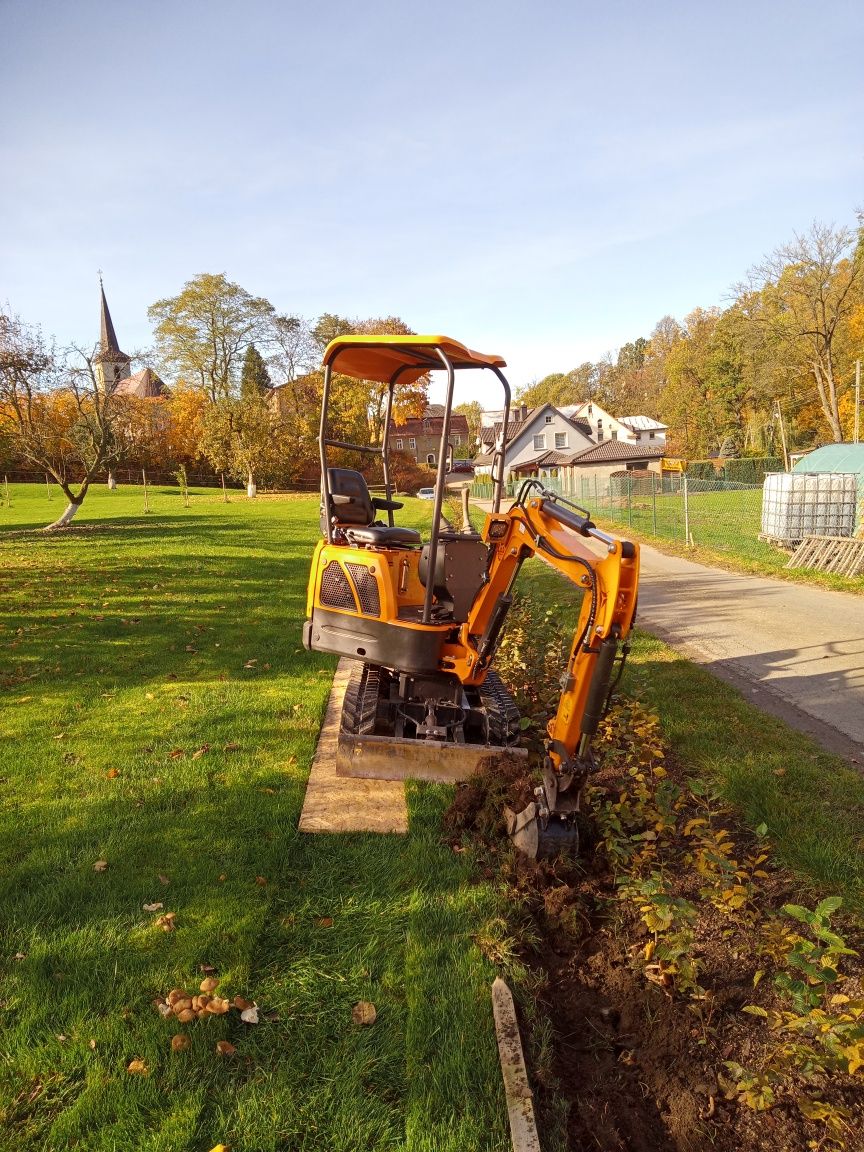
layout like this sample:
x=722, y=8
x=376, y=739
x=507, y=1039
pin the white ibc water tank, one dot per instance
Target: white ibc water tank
x=799, y=504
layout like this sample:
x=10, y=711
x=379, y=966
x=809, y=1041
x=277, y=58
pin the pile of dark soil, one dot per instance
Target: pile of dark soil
x=637, y=1062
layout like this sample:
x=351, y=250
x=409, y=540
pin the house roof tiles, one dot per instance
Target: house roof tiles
x=610, y=451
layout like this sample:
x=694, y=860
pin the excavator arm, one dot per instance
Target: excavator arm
x=561, y=534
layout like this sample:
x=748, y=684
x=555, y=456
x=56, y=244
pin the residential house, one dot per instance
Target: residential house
x=611, y=458
x=536, y=437
x=602, y=425
x=645, y=430
x=421, y=438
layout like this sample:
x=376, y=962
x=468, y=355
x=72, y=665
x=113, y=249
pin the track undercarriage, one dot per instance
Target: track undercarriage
x=380, y=702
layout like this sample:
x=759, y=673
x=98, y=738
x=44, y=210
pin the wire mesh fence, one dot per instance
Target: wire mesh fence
x=718, y=514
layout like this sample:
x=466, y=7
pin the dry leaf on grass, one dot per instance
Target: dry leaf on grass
x=210, y=984
x=199, y=752
x=180, y=1042
x=225, y=1048
x=166, y=922
x=163, y=879
x=20, y=956
x=261, y=881
x=241, y=1005
x=100, y=866
x=221, y=1148
x=176, y=753
x=231, y=746
x=206, y=967
x=112, y=773
x=153, y=907
x=325, y=922
x=248, y=664
x=364, y=1012
x=137, y=1068
x=250, y=1015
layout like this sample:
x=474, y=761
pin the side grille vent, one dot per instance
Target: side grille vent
x=335, y=589
x=367, y=589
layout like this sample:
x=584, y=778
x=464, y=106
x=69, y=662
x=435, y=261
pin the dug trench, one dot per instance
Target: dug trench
x=690, y=1002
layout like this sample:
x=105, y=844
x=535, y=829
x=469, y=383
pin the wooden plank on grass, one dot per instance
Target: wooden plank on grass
x=339, y=804
x=523, y=1126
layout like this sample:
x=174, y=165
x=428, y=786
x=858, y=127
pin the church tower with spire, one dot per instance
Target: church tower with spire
x=110, y=364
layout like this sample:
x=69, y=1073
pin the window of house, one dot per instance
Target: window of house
x=412, y=443
x=590, y=409
x=614, y=434
x=599, y=430
x=539, y=442
x=560, y=439
x=398, y=445
x=430, y=459
x=638, y=436
x=548, y=419
x=650, y=435
x=457, y=441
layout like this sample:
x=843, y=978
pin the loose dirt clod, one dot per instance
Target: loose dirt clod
x=364, y=1013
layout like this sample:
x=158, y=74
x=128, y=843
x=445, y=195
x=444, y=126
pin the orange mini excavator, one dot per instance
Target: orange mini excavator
x=423, y=619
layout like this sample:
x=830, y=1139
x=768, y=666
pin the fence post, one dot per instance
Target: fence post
x=630, y=501
x=686, y=512
x=654, y=502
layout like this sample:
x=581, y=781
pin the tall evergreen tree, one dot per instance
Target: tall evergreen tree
x=255, y=379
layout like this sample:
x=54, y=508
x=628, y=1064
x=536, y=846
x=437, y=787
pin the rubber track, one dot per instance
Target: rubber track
x=501, y=711
x=360, y=705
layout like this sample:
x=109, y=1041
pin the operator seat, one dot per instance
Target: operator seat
x=352, y=510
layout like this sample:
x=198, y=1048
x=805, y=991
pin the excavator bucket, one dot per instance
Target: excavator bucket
x=540, y=834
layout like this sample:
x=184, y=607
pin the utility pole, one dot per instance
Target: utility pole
x=857, y=399
x=782, y=436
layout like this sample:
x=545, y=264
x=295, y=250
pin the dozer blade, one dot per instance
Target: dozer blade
x=540, y=834
x=389, y=758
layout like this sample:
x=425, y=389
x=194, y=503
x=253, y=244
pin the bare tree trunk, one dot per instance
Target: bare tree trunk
x=112, y=483
x=251, y=487
x=66, y=518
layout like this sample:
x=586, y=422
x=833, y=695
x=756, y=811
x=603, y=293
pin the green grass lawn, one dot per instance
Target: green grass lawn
x=160, y=714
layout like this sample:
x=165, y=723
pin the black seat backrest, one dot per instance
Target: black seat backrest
x=357, y=508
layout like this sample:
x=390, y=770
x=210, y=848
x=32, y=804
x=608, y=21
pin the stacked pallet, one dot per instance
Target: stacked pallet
x=838, y=554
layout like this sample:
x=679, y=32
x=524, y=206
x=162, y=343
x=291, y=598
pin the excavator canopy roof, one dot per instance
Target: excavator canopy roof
x=381, y=357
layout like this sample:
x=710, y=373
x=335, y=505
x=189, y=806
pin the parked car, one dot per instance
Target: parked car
x=426, y=494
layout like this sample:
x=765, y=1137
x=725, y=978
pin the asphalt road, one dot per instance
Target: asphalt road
x=794, y=650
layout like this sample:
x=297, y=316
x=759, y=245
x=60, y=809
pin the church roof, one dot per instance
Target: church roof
x=145, y=384
x=109, y=349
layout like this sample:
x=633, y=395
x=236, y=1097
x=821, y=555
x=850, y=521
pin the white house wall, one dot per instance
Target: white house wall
x=521, y=449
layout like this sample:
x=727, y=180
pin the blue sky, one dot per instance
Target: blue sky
x=540, y=180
